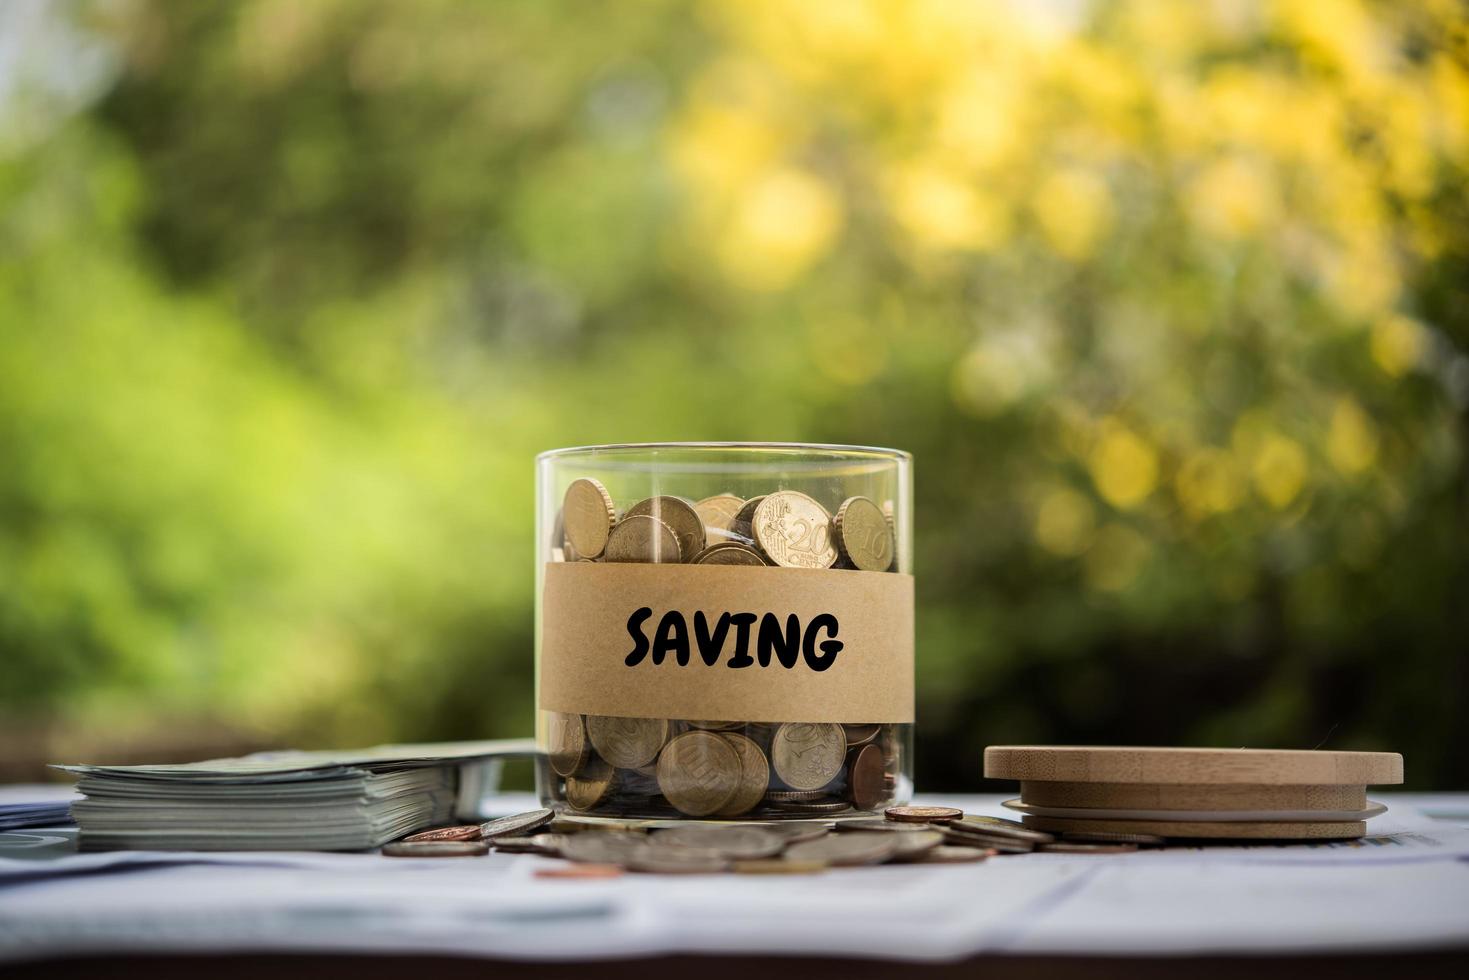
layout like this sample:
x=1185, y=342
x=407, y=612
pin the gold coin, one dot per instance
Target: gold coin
x=754, y=776
x=567, y=750
x=862, y=535
x=677, y=514
x=795, y=531
x=642, y=539
x=587, y=515
x=729, y=553
x=714, y=726
x=699, y=772
x=808, y=756
x=591, y=787
x=627, y=742
x=718, y=513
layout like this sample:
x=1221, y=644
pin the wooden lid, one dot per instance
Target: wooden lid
x=1130, y=764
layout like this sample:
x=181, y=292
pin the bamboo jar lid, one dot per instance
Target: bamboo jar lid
x=1218, y=793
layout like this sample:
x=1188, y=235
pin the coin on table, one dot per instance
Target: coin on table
x=728, y=842
x=589, y=787
x=436, y=849
x=534, y=844
x=794, y=833
x=989, y=842
x=806, y=755
x=609, y=848
x=699, y=772
x=998, y=828
x=519, y=823
x=1069, y=847
x=466, y=832
x=912, y=847
x=627, y=743
x=642, y=538
x=944, y=854
x=679, y=515
x=862, y=535
x=575, y=871
x=864, y=777
x=672, y=862
x=587, y=514
x=922, y=814
x=846, y=849
x=743, y=524
x=567, y=749
x=879, y=825
x=1110, y=837
x=718, y=513
x=860, y=734
x=754, y=776
x=729, y=553
x=794, y=531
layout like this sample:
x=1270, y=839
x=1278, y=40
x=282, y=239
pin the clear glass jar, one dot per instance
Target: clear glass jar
x=659, y=567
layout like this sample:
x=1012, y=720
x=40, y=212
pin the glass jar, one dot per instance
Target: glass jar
x=724, y=631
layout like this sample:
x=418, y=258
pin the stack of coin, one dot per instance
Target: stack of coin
x=1105, y=794
x=723, y=769
x=604, y=848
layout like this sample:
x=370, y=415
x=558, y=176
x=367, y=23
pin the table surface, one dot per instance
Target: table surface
x=1399, y=897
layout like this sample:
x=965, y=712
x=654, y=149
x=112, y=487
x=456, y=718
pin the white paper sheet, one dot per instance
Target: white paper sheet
x=1407, y=891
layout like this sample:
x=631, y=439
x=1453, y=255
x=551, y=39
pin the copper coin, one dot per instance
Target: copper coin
x=581, y=871
x=864, y=777
x=679, y=515
x=466, y=832
x=587, y=516
x=923, y=814
x=520, y=823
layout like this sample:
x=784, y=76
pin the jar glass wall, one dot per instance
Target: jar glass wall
x=811, y=592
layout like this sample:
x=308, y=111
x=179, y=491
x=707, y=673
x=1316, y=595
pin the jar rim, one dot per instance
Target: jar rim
x=833, y=449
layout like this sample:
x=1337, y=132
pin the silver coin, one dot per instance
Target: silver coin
x=672, y=861
x=989, y=842
x=612, y=847
x=437, y=849
x=912, y=847
x=518, y=824
x=798, y=831
x=845, y=849
x=944, y=854
x=998, y=828
x=728, y=842
x=881, y=825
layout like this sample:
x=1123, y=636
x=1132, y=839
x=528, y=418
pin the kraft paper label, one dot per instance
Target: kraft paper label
x=727, y=643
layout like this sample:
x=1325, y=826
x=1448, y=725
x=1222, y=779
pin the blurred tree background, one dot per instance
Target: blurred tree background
x=1168, y=300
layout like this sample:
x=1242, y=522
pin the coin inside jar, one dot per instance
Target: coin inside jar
x=587, y=515
x=864, y=777
x=808, y=756
x=794, y=531
x=588, y=788
x=699, y=772
x=642, y=538
x=729, y=553
x=680, y=516
x=567, y=751
x=718, y=513
x=754, y=776
x=627, y=743
x=862, y=535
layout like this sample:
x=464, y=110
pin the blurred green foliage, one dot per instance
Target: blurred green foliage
x=1169, y=301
